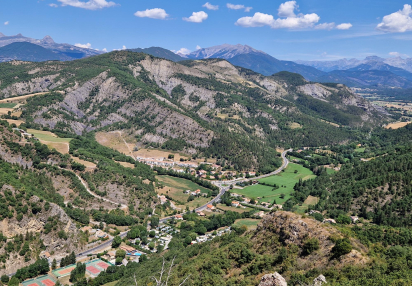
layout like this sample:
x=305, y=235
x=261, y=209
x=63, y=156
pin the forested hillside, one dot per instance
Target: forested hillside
x=43, y=201
x=210, y=107
x=378, y=190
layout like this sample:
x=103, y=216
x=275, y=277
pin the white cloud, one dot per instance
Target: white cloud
x=156, y=13
x=288, y=19
x=6, y=23
x=104, y=50
x=398, y=22
x=197, y=17
x=183, y=51
x=54, y=5
x=325, y=26
x=90, y=5
x=209, y=6
x=397, y=54
x=198, y=47
x=84, y=46
x=238, y=7
x=258, y=20
x=287, y=9
x=344, y=26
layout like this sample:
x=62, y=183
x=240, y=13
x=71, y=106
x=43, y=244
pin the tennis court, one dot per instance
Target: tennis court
x=45, y=280
x=64, y=271
x=96, y=266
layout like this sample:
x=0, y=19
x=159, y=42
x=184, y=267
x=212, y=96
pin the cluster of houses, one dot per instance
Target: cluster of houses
x=210, y=236
x=196, y=193
x=215, y=172
x=243, y=200
x=168, y=163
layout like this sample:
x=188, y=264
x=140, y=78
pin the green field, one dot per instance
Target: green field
x=249, y=222
x=287, y=179
x=48, y=136
x=330, y=171
x=360, y=150
x=7, y=105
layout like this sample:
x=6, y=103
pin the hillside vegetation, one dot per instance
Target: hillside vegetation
x=204, y=108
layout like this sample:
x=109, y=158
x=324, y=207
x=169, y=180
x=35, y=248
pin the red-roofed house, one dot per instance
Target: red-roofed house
x=210, y=207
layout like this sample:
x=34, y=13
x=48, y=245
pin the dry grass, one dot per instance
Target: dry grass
x=224, y=116
x=60, y=147
x=17, y=122
x=89, y=165
x=125, y=164
x=4, y=111
x=295, y=125
x=331, y=123
x=20, y=99
x=397, y=125
x=115, y=141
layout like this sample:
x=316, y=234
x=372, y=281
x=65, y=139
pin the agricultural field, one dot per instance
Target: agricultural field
x=397, y=125
x=250, y=223
x=285, y=180
x=174, y=187
x=52, y=140
x=309, y=201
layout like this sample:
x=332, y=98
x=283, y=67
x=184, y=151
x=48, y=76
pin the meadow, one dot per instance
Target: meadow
x=285, y=180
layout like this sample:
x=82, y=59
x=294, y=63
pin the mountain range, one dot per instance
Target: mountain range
x=372, y=72
x=64, y=51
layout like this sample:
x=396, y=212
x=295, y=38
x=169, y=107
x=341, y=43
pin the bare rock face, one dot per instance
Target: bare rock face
x=274, y=279
x=319, y=281
x=315, y=90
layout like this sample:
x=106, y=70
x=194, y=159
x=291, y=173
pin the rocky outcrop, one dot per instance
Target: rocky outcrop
x=293, y=229
x=39, y=84
x=315, y=90
x=274, y=279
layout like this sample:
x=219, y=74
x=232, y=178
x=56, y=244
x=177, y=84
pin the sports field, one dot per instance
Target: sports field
x=285, y=180
x=45, y=280
x=96, y=266
x=64, y=271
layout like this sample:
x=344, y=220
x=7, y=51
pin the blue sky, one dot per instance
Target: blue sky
x=301, y=29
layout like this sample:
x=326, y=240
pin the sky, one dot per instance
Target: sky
x=287, y=30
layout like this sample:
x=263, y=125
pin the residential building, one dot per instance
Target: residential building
x=235, y=204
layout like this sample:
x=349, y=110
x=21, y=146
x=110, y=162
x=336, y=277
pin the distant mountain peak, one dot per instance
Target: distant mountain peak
x=47, y=39
x=225, y=51
x=374, y=58
x=2, y=35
